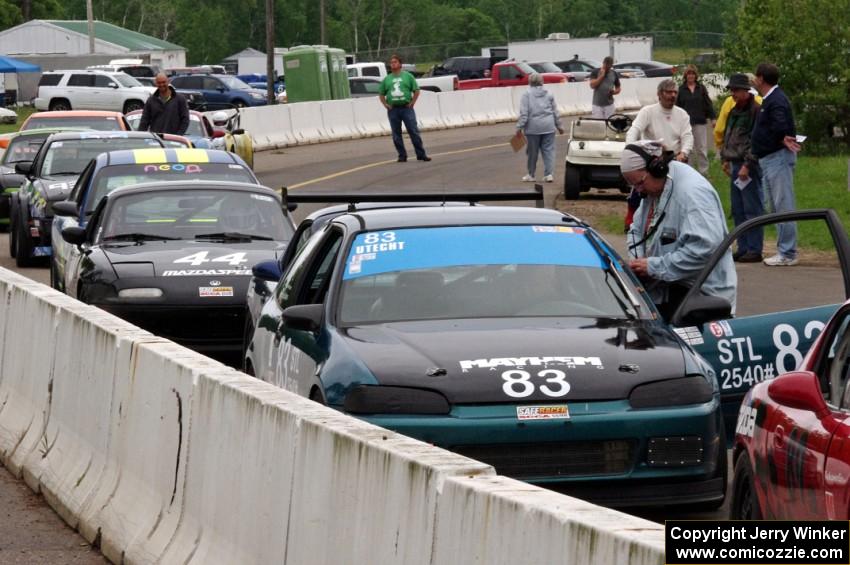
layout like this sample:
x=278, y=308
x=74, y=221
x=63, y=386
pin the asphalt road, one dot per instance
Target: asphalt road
x=474, y=158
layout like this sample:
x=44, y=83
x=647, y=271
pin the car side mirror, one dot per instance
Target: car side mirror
x=113, y=85
x=75, y=235
x=304, y=317
x=221, y=89
x=66, y=208
x=702, y=308
x=218, y=133
x=799, y=390
x=267, y=271
x=24, y=168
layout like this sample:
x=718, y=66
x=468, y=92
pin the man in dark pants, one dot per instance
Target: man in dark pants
x=399, y=93
x=166, y=110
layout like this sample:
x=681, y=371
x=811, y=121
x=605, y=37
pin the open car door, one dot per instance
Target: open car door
x=780, y=310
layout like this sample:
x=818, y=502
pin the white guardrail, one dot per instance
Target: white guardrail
x=158, y=454
x=284, y=125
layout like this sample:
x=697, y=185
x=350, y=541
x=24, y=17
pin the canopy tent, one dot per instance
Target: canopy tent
x=10, y=65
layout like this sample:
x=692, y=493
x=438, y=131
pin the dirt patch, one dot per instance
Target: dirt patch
x=602, y=209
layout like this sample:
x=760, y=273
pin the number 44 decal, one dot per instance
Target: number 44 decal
x=200, y=258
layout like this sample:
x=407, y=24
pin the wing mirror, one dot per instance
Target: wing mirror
x=24, y=168
x=267, y=271
x=66, y=208
x=75, y=235
x=702, y=308
x=799, y=390
x=304, y=317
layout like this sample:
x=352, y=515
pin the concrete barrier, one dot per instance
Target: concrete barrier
x=453, y=109
x=428, y=113
x=306, y=121
x=338, y=119
x=496, y=520
x=161, y=455
x=370, y=117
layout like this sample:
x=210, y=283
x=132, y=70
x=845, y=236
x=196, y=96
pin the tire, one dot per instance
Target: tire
x=23, y=245
x=745, y=503
x=572, y=183
x=59, y=105
x=133, y=105
x=317, y=396
x=13, y=227
x=240, y=103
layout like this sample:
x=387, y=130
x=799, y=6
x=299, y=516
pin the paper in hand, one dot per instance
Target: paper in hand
x=517, y=142
x=741, y=183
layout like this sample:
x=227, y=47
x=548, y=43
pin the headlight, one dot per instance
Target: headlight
x=365, y=399
x=674, y=392
x=140, y=293
x=257, y=96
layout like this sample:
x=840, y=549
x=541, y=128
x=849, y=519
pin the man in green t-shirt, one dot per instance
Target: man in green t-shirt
x=399, y=93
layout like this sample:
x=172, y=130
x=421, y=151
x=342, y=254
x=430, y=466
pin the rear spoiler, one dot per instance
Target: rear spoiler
x=290, y=201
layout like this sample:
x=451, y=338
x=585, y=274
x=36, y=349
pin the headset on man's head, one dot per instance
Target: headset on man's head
x=656, y=165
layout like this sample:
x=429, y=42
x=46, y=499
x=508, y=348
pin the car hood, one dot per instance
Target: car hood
x=183, y=258
x=602, y=359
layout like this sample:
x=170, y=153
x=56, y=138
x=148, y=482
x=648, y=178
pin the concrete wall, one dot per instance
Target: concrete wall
x=162, y=455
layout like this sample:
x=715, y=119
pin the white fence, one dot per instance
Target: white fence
x=300, y=123
x=162, y=455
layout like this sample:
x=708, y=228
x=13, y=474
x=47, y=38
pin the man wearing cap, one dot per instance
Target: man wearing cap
x=676, y=228
x=742, y=166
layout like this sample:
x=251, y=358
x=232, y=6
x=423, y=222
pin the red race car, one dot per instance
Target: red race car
x=792, y=440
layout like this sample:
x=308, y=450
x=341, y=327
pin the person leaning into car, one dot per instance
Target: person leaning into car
x=399, y=93
x=166, y=110
x=676, y=228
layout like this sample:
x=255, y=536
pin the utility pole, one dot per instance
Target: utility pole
x=269, y=51
x=90, y=17
x=322, y=22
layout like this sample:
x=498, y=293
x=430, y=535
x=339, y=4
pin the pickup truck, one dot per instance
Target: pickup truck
x=512, y=73
x=445, y=83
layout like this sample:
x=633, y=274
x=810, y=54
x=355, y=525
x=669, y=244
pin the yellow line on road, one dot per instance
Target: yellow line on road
x=380, y=163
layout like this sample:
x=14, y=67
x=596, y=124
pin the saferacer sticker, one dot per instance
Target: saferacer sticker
x=205, y=291
x=560, y=412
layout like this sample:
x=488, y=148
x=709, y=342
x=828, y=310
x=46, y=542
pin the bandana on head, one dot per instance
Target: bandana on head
x=631, y=161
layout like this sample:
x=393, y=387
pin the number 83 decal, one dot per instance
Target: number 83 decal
x=518, y=384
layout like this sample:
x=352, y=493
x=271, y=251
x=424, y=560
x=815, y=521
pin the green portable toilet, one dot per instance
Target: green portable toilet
x=307, y=77
x=338, y=73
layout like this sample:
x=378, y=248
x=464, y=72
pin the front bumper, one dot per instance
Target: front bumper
x=602, y=453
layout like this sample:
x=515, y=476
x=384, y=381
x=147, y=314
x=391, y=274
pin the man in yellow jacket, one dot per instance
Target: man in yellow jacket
x=728, y=104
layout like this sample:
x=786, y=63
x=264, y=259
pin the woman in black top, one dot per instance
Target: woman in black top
x=693, y=98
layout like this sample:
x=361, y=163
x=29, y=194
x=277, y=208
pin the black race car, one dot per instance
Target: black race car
x=50, y=178
x=175, y=258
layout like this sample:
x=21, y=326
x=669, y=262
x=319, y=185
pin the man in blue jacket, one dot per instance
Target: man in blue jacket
x=774, y=143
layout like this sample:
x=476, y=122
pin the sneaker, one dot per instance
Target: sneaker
x=750, y=257
x=738, y=254
x=780, y=261
x=548, y=178
x=425, y=158
x=528, y=178
x=402, y=159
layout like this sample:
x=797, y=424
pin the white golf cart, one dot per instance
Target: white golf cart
x=593, y=155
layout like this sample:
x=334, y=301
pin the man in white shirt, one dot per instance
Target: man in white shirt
x=667, y=123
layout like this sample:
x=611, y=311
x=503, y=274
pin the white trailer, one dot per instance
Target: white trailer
x=559, y=48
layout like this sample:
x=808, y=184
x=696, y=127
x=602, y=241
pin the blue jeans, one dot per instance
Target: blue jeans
x=545, y=144
x=777, y=177
x=746, y=205
x=397, y=115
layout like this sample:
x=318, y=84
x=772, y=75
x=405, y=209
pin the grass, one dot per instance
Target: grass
x=23, y=113
x=819, y=182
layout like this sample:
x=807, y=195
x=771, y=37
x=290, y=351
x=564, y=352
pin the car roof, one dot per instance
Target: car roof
x=75, y=113
x=338, y=209
x=168, y=186
x=651, y=63
x=47, y=131
x=157, y=155
x=135, y=113
x=94, y=134
x=439, y=216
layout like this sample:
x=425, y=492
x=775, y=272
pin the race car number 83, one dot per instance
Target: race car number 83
x=518, y=384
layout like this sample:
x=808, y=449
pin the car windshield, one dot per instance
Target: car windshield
x=23, y=148
x=126, y=80
x=526, y=68
x=98, y=123
x=478, y=272
x=546, y=67
x=233, y=82
x=70, y=156
x=115, y=176
x=193, y=214
x=195, y=129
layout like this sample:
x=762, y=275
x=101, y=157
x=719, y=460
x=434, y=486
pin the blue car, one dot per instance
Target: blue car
x=225, y=90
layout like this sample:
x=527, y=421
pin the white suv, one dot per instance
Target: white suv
x=90, y=90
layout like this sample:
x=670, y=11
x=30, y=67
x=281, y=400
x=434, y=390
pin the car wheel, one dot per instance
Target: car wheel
x=745, y=503
x=572, y=182
x=59, y=105
x=13, y=227
x=133, y=105
x=317, y=396
x=239, y=103
x=23, y=245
